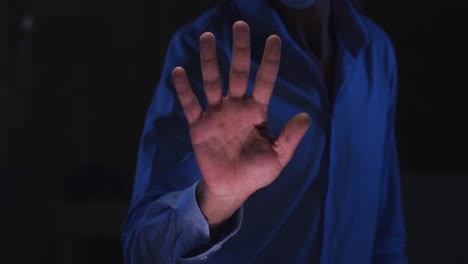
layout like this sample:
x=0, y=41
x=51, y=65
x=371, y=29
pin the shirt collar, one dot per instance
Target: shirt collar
x=351, y=31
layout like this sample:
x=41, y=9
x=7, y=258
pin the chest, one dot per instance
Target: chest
x=348, y=133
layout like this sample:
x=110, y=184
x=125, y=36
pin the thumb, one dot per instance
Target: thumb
x=290, y=137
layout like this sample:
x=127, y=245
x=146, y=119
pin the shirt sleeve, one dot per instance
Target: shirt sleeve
x=164, y=223
x=390, y=242
x=172, y=227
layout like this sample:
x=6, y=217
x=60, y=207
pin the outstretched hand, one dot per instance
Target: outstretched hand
x=234, y=150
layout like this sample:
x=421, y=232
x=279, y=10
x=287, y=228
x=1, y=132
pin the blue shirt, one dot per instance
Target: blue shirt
x=337, y=201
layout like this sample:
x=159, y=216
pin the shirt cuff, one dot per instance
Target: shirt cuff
x=195, y=228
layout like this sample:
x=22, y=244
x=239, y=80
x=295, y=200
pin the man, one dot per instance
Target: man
x=212, y=183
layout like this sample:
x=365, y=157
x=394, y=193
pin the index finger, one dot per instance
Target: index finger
x=268, y=71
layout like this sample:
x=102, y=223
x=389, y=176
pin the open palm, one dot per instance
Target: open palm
x=233, y=148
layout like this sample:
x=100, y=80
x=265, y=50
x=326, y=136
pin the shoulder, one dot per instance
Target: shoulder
x=215, y=20
x=380, y=43
x=183, y=47
x=381, y=50
x=376, y=32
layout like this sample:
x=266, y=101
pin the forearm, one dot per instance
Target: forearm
x=171, y=229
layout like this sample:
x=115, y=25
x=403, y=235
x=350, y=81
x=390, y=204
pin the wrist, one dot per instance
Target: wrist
x=217, y=209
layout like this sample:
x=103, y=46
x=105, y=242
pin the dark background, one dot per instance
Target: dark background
x=77, y=76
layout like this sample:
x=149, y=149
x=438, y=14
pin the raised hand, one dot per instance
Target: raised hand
x=234, y=150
